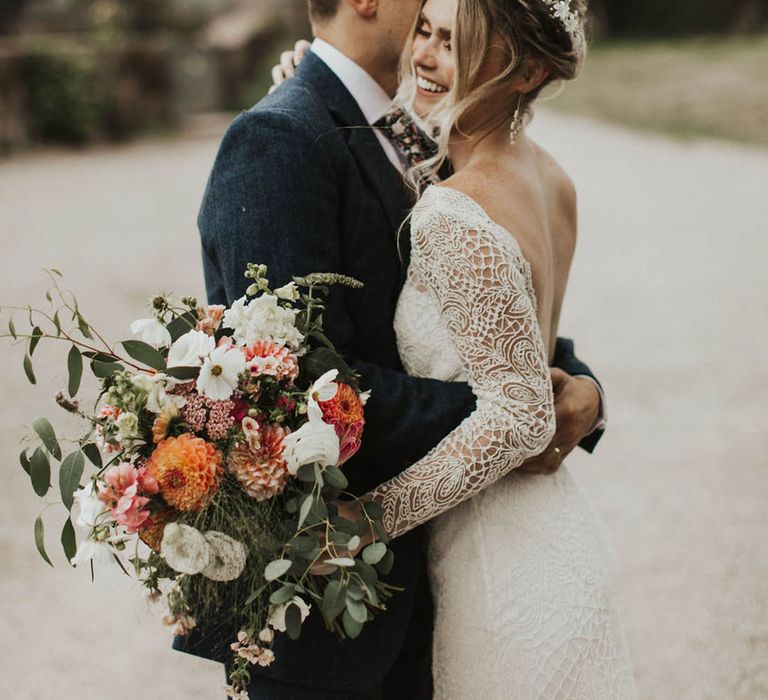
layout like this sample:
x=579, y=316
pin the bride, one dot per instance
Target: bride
x=522, y=572
x=523, y=576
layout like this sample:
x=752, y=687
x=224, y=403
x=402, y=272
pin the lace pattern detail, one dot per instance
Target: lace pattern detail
x=477, y=278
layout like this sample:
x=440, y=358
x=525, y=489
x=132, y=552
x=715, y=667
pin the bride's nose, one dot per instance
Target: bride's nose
x=424, y=56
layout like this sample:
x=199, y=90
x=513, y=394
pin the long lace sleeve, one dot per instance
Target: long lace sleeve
x=486, y=302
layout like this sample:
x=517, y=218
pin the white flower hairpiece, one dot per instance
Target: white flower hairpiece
x=561, y=10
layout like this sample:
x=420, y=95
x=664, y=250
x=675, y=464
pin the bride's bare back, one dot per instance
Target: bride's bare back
x=525, y=191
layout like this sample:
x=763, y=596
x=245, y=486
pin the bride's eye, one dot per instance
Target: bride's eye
x=423, y=32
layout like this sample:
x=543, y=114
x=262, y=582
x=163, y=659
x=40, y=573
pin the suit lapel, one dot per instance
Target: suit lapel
x=377, y=169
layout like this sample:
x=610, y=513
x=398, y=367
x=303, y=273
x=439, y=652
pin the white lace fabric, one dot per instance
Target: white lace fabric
x=522, y=570
x=475, y=274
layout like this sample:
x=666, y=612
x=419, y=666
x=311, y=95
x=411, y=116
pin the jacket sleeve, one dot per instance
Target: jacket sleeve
x=273, y=197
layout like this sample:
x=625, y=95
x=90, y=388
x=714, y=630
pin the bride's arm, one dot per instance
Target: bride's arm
x=493, y=324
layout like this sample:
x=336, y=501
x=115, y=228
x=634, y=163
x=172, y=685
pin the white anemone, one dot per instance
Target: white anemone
x=190, y=349
x=277, y=614
x=152, y=332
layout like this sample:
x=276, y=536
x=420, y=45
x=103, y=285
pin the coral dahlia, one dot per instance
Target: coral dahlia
x=262, y=473
x=267, y=357
x=345, y=413
x=187, y=468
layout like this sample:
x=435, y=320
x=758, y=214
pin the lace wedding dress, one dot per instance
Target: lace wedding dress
x=523, y=576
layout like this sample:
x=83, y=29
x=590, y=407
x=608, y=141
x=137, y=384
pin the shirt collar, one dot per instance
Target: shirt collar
x=373, y=101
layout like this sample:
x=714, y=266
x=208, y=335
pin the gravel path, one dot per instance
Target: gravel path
x=668, y=301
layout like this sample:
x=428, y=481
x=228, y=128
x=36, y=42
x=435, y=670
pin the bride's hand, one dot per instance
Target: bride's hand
x=348, y=511
x=288, y=62
x=577, y=408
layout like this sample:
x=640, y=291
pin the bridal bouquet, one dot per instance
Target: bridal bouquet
x=215, y=452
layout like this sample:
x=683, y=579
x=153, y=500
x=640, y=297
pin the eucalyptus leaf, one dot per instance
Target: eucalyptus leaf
x=75, y=367
x=334, y=600
x=341, y=538
x=34, y=340
x=102, y=370
x=366, y=572
x=335, y=477
x=293, y=621
x=283, y=594
x=24, y=461
x=28, y=369
x=40, y=472
x=343, y=562
x=351, y=626
x=144, y=353
x=68, y=541
x=182, y=324
x=45, y=432
x=373, y=509
x=91, y=451
x=353, y=543
x=83, y=326
x=275, y=569
x=374, y=553
x=12, y=329
x=183, y=373
x=386, y=563
x=70, y=473
x=306, y=473
x=303, y=544
x=57, y=323
x=357, y=610
x=40, y=539
x=306, y=506
x=100, y=356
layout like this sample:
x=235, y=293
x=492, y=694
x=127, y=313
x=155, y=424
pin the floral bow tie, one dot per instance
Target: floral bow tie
x=400, y=128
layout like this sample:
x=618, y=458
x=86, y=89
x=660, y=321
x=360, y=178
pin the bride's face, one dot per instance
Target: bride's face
x=431, y=54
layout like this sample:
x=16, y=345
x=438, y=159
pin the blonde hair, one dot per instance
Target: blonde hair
x=526, y=30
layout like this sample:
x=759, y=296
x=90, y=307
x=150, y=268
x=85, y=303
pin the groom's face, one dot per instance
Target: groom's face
x=396, y=19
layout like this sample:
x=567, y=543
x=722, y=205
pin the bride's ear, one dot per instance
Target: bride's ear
x=364, y=8
x=531, y=75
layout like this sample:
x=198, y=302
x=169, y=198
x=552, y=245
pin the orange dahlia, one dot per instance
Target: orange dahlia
x=344, y=408
x=162, y=423
x=152, y=534
x=262, y=472
x=268, y=357
x=187, y=468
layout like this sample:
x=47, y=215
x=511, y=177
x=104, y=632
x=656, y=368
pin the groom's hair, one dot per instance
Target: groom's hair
x=323, y=9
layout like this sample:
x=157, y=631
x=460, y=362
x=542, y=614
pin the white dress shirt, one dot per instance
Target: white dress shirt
x=374, y=103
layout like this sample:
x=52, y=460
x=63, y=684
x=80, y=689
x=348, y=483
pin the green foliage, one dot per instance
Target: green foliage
x=40, y=539
x=75, y=369
x=68, y=540
x=70, y=473
x=67, y=99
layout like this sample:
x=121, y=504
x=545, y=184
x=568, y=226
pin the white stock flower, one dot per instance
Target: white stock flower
x=128, y=428
x=190, y=349
x=289, y=292
x=184, y=549
x=365, y=397
x=155, y=385
x=277, y=614
x=262, y=319
x=227, y=557
x=220, y=372
x=315, y=441
x=152, y=332
x=91, y=508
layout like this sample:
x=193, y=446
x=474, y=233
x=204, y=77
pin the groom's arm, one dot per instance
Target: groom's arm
x=273, y=198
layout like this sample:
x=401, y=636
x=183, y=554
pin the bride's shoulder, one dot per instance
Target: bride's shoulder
x=556, y=181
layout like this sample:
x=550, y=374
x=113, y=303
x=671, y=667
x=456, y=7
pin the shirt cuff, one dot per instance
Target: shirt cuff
x=602, y=414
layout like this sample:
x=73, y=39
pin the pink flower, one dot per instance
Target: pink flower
x=349, y=439
x=239, y=410
x=211, y=321
x=272, y=359
x=122, y=494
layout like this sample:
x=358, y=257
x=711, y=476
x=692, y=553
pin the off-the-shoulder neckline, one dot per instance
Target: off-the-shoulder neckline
x=484, y=213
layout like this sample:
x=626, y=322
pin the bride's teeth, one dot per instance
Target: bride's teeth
x=429, y=86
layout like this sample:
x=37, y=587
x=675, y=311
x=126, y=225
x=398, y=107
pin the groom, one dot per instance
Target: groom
x=301, y=183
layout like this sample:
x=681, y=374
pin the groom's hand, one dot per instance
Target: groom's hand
x=577, y=408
